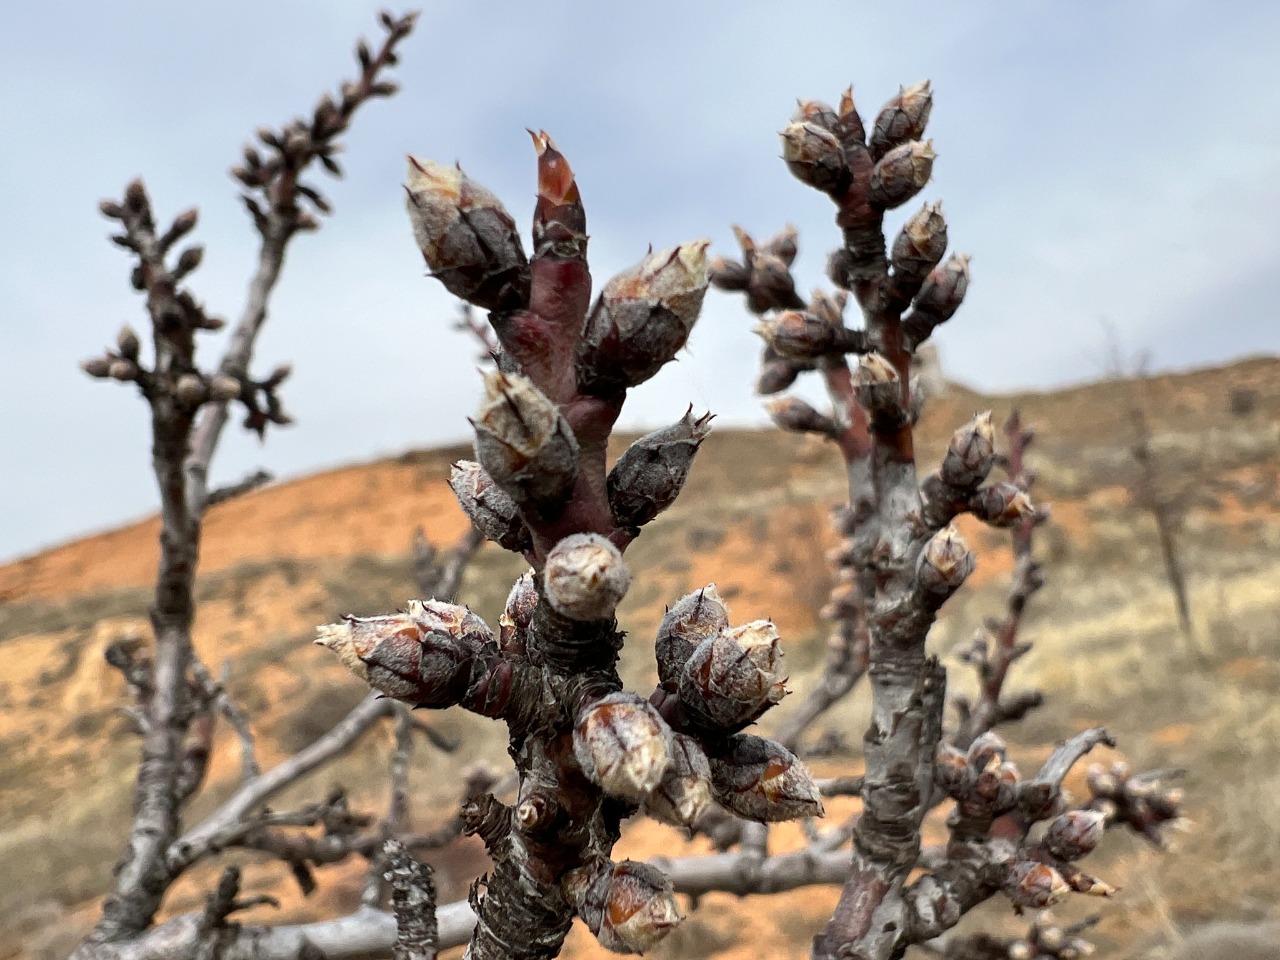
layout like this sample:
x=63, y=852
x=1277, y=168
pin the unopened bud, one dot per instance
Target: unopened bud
x=792, y=413
x=799, y=334
x=488, y=506
x=467, y=238
x=776, y=374
x=816, y=112
x=135, y=196
x=988, y=747
x=731, y=678
x=693, y=619
x=423, y=656
x=1002, y=505
x=685, y=790
x=122, y=370
x=559, y=220
x=903, y=118
x=643, y=318
x=1051, y=938
x=970, y=453
x=99, y=367
x=952, y=772
x=761, y=780
x=127, y=342
x=190, y=390
x=727, y=274
x=623, y=745
x=939, y=298
x=918, y=249
x=848, y=126
x=649, y=476
x=188, y=260
x=278, y=376
x=945, y=562
x=814, y=155
x=514, y=621
x=1036, y=885
x=223, y=387
x=110, y=209
x=783, y=245
x=1020, y=950
x=585, y=577
x=997, y=787
x=629, y=906
x=1075, y=834
x=524, y=443
x=901, y=174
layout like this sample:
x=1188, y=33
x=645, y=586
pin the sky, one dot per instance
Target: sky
x=1104, y=163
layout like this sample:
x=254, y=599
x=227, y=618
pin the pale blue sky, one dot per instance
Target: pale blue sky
x=1113, y=162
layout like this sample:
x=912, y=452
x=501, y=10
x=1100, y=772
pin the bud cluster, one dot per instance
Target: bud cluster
x=1046, y=939
x=982, y=780
x=629, y=906
x=1141, y=802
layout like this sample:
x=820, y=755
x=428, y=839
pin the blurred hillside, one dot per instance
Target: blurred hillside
x=753, y=519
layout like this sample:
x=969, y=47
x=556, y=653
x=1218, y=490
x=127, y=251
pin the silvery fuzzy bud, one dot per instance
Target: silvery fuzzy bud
x=190, y=389
x=467, y=238
x=878, y=387
x=629, y=906
x=734, y=676
x=1002, y=504
x=488, y=506
x=799, y=334
x=122, y=370
x=776, y=374
x=585, y=577
x=903, y=118
x=643, y=318
x=649, y=476
x=623, y=745
x=524, y=443
x=945, y=562
x=792, y=413
x=971, y=453
x=514, y=621
x=918, y=248
x=952, y=772
x=223, y=388
x=1032, y=884
x=97, y=367
x=559, y=219
x=726, y=274
x=816, y=112
x=814, y=155
x=1074, y=834
x=939, y=298
x=423, y=656
x=901, y=174
x=128, y=343
x=685, y=790
x=691, y=620
x=761, y=780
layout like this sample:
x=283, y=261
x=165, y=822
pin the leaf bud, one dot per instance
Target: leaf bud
x=467, y=238
x=903, y=118
x=734, y=676
x=1074, y=834
x=649, y=476
x=939, y=298
x=848, y=126
x=423, y=656
x=190, y=390
x=918, y=249
x=98, y=367
x=524, y=443
x=792, y=413
x=761, y=780
x=814, y=155
x=643, y=318
x=685, y=790
x=799, y=334
x=1002, y=504
x=585, y=577
x=945, y=562
x=514, y=621
x=122, y=370
x=629, y=906
x=278, y=376
x=110, y=209
x=783, y=245
x=726, y=274
x=623, y=745
x=971, y=453
x=559, y=220
x=1032, y=884
x=223, y=387
x=694, y=618
x=901, y=174
x=776, y=374
x=188, y=260
x=488, y=506
x=128, y=343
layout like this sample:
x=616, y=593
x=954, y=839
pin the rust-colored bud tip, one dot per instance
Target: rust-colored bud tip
x=555, y=178
x=846, y=101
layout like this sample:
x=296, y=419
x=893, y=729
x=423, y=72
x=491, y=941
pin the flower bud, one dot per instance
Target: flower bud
x=643, y=318
x=685, y=790
x=799, y=334
x=694, y=618
x=761, y=780
x=223, y=388
x=128, y=343
x=732, y=677
x=776, y=374
x=877, y=384
x=848, y=127
x=952, y=772
x=585, y=577
x=944, y=563
x=97, y=367
x=902, y=119
x=188, y=260
x=466, y=236
x=814, y=155
x=997, y=787
x=1002, y=505
x=1020, y=950
x=726, y=274
x=190, y=390
x=901, y=174
x=970, y=453
x=629, y=906
x=986, y=748
x=1074, y=834
x=423, y=656
x=623, y=745
x=816, y=112
x=939, y=298
x=792, y=413
x=122, y=370
x=559, y=220
x=513, y=623
x=524, y=443
x=1032, y=884
x=488, y=506
x=917, y=250
x=783, y=245
x=649, y=476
